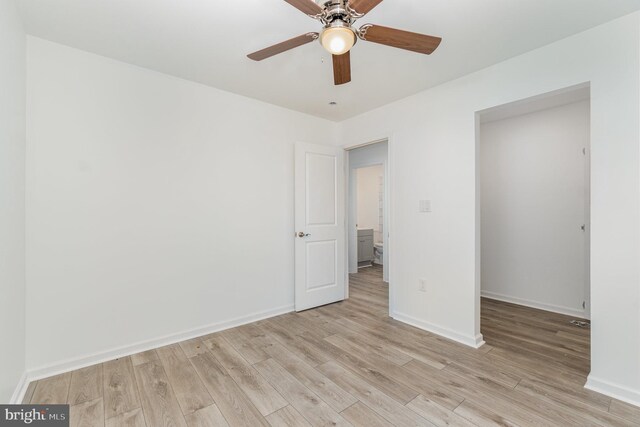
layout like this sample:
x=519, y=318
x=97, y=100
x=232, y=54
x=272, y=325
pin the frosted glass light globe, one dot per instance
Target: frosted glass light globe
x=337, y=40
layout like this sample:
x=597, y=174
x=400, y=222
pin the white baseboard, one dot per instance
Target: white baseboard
x=535, y=304
x=616, y=391
x=20, y=391
x=475, y=342
x=479, y=341
x=127, y=350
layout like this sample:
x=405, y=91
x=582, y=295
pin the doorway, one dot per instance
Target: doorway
x=368, y=212
x=369, y=197
x=533, y=172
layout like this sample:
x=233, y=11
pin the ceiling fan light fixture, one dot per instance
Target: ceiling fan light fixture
x=338, y=39
x=338, y=35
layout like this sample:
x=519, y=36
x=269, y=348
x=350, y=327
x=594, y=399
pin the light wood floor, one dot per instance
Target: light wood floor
x=349, y=364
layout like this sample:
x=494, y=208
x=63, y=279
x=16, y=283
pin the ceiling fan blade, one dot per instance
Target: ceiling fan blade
x=415, y=42
x=283, y=47
x=342, y=68
x=306, y=6
x=364, y=6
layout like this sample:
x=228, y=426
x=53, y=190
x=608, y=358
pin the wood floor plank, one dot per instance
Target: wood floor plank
x=524, y=316
x=207, y=417
x=287, y=417
x=479, y=375
x=546, y=338
x=294, y=344
x=133, y=418
x=481, y=415
x=475, y=391
x=405, y=344
x=87, y=414
x=545, y=351
x=259, y=391
x=255, y=336
x=243, y=345
x=120, y=390
x=326, y=389
x=193, y=347
x=144, y=357
x=294, y=325
x=310, y=406
x=379, y=402
x=28, y=395
x=158, y=400
x=388, y=328
x=360, y=415
x=232, y=402
x=512, y=404
x=53, y=390
x=500, y=374
x=528, y=365
x=319, y=321
x=187, y=385
x=380, y=349
x=566, y=391
x=427, y=343
x=86, y=384
x=546, y=323
x=624, y=410
x=312, y=324
x=378, y=368
x=363, y=366
x=436, y=414
x=571, y=404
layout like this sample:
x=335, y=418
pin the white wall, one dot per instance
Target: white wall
x=368, y=196
x=433, y=156
x=154, y=206
x=534, y=182
x=369, y=155
x=12, y=211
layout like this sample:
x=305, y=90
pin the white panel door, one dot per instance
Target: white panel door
x=320, y=230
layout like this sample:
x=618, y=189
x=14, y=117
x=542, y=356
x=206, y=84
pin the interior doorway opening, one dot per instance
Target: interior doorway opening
x=368, y=209
x=533, y=222
x=370, y=215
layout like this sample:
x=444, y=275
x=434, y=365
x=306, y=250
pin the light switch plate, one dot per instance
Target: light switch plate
x=425, y=206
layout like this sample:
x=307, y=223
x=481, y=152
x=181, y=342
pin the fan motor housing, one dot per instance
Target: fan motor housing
x=334, y=10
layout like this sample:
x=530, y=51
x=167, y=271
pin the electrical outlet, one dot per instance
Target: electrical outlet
x=422, y=286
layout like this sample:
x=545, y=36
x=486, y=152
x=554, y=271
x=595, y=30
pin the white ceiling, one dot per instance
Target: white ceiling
x=206, y=41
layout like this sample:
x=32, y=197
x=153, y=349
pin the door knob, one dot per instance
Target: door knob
x=303, y=234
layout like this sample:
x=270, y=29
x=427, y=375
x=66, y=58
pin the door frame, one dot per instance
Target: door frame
x=478, y=198
x=387, y=220
x=587, y=224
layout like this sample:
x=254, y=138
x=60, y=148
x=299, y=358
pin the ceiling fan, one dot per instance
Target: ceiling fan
x=338, y=35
